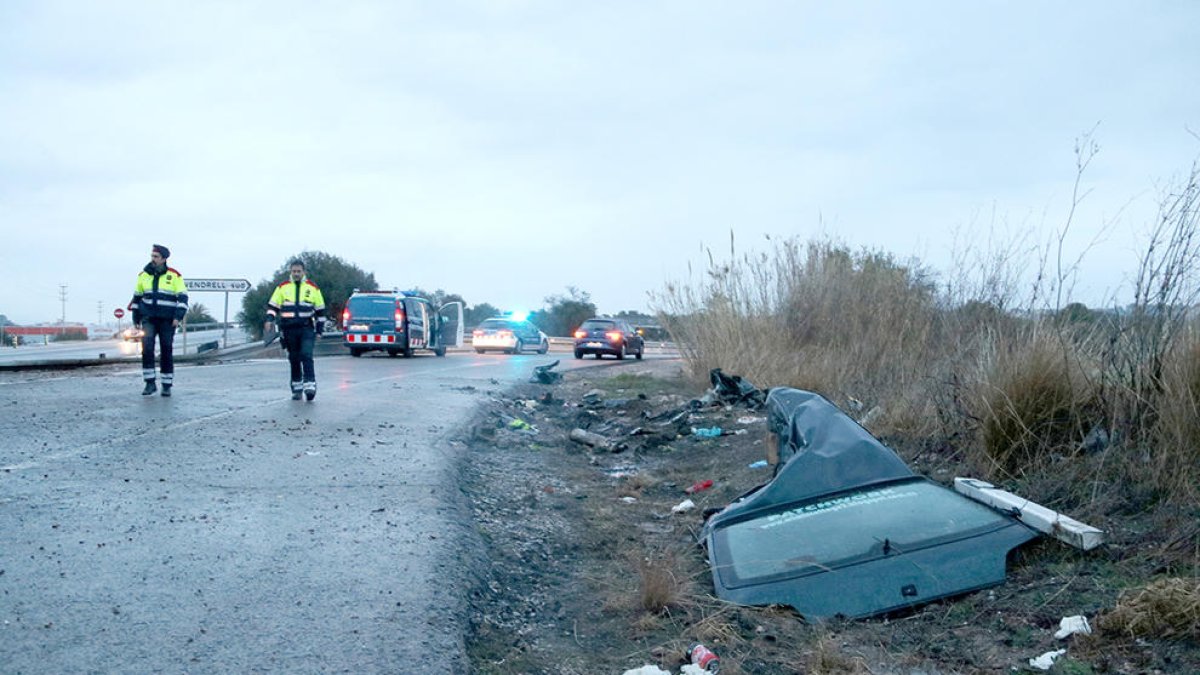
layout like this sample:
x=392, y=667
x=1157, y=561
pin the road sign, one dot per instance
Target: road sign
x=219, y=285
x=118, y=312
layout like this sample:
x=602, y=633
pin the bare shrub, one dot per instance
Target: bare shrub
x=1167, y=608
x=1165, y=291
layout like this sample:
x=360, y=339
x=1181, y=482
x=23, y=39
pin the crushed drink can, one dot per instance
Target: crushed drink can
x=702, y=656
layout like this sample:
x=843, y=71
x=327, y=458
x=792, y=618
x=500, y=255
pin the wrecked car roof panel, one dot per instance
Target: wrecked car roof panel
x=890, y=583
x=849, y=528
x=846, y=528
x=864, y=552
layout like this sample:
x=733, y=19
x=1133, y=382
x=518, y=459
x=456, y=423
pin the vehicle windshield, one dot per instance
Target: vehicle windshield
x=812, y=537
x=364, y=307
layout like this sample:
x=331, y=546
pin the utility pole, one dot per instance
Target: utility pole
x=62, y=321
x=99, y=312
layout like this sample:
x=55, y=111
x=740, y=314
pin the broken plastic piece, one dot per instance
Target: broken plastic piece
x=760, y=464
x=699, y=486
x=1046, y=661
x=1071, y=625
x=711, y=432
x=683, y=506
x=648, y=669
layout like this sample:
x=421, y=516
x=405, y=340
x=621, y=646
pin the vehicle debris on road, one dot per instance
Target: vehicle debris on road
x=546, y=375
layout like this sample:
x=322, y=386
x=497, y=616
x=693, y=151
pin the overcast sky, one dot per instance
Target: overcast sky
x=504, y=150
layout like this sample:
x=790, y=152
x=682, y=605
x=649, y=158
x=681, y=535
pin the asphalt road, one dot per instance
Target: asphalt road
x=231, y=529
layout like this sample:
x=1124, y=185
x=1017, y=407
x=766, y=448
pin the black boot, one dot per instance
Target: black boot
x=166, y=389
x=150, y=388
x=296, y=395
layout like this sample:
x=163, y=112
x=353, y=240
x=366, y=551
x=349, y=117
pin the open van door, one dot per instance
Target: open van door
x=452, y=326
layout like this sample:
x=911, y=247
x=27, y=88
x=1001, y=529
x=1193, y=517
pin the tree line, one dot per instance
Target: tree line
x=338, y=279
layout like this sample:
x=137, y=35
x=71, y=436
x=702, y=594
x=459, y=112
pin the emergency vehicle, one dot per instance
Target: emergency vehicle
x=397, y=322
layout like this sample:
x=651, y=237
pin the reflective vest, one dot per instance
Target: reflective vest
x=296, y=305
x=159, y=295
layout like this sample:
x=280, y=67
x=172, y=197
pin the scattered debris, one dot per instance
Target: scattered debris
x=648, y=669
x=1070, y=625
x=1046, y=661
x=595, y=440
x=683, y=506
x=873, y=415
x=544, y=374
x=1035, y=515
x=699, y=486
x=520, y=425
x=760, y=464
x=702, y=657
x=730, y=390
x=710, y=432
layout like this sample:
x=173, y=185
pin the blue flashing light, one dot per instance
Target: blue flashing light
x=517, y=315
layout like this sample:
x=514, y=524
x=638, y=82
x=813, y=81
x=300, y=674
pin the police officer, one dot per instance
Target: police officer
x=160, y=301
x=300, y=309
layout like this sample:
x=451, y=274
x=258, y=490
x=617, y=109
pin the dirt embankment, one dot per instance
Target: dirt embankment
x=591, y=571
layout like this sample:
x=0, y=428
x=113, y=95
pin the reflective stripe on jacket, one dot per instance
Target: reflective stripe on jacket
x=296, y=305
x=159, y=295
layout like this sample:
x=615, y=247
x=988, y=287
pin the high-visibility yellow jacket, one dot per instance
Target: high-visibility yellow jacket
x=159, y=295
x=296, y=305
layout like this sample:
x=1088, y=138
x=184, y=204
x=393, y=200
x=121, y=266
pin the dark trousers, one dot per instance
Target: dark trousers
x=165, y=333
x=299, y=345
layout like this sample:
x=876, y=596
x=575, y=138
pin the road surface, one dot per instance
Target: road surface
x=231, y=529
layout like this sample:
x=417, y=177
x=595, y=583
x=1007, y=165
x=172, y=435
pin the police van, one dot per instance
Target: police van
x=397, y=322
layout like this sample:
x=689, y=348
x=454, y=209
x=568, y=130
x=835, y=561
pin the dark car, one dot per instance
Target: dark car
x=508, y=335
x=602, y=336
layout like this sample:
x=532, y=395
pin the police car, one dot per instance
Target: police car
x=398, y=323
x=510, y=333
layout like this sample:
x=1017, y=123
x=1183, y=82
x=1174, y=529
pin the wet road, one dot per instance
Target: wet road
x=231, y=529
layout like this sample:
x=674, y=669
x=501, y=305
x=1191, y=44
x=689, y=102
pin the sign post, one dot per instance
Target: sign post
x=118, y=312
x=225, y=286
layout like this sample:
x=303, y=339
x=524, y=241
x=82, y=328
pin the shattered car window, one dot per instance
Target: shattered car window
x=847, y=528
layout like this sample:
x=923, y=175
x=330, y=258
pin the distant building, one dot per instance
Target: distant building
x=48, y=333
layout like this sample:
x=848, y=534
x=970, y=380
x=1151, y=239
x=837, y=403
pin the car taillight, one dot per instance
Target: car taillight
x=477, y=333
x=399, y=318
x=613, y=336
x=581, y=333
x=346, y=317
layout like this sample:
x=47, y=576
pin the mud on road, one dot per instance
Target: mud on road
x=586, y=568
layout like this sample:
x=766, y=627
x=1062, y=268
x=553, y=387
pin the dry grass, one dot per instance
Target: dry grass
x=827, y=658
x=1167, y=608
x=1176, y=463
x=635, y=484
x=1008, y=390
x=663, y=584
x=1032, y=401
x=815, y=316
